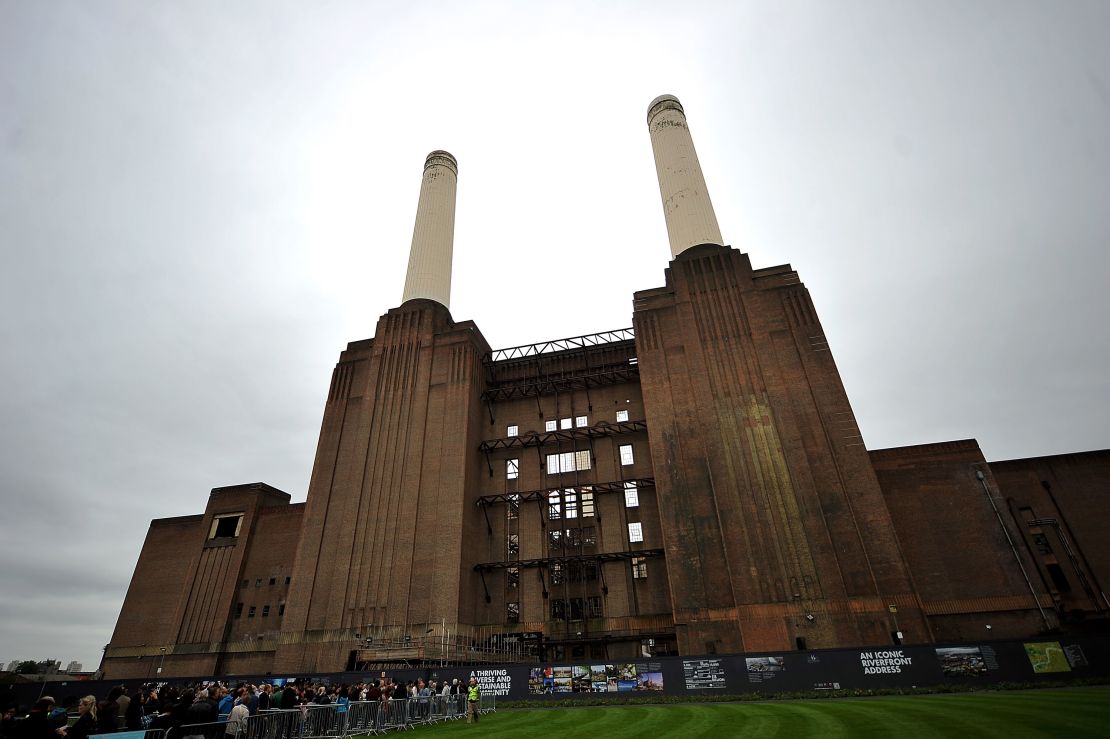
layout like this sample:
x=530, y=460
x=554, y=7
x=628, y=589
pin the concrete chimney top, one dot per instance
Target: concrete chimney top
x=686, y=204
x=433, y=236
x=444, y=158
x=661, y=103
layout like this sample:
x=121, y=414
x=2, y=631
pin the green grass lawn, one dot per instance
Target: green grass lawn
x=1073, y=713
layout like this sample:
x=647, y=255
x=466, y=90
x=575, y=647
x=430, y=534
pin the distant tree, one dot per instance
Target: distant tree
x=27, y=667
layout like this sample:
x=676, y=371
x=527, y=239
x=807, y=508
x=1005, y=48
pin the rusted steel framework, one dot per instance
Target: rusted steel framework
x=560, y=345
x=614, y=486
x=539, y=439
x=597, y=377
x=545, y=562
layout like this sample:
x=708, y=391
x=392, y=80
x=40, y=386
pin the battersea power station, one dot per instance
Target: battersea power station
x=693, y=485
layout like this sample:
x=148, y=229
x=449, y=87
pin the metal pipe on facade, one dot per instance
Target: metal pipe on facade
x=1017, y=558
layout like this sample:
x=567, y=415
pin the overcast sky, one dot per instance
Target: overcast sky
x=202, y=202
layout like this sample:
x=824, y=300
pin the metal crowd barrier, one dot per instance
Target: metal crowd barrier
x=362, y=718
x=212, y=730
x=132, y=734
x=340, y=721
x=322, y=722
x=275, y=723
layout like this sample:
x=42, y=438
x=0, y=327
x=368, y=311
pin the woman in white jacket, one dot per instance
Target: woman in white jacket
x=237, y=719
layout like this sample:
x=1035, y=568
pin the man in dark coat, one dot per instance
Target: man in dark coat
x=289, y=697
x=203, y=711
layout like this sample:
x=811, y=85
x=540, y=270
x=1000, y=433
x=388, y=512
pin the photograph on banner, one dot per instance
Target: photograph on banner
x=599, y=679
x=563, y=678
x=762, y=669
x=607, y=678
x=961, y=661
x=649, y=677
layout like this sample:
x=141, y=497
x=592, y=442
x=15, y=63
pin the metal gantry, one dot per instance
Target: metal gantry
x=561, y=345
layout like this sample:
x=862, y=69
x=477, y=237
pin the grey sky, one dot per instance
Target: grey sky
x=201, y=203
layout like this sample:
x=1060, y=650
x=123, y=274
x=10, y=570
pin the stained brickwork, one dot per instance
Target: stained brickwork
x=180, y=612
x=775, y=529
x=1060, y=504
x=721, y=435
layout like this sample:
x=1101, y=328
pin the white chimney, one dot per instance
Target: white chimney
x=686, y=205
x=433, y=237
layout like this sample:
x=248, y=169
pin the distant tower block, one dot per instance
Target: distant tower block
x=686, y=204
x=433, y=237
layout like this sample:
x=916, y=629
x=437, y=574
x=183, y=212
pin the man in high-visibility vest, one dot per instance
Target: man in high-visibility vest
x=473, y=696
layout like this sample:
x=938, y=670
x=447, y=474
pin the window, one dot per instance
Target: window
x=568, y=462
x=246, y=583
x=512, y=469
x=512, y=577
x=639, y=568
x=587, y=504
x=631, y=495
x=574, y=538
x=589, y=536
x=622, y=416
x=513, y=430
x=1058, y=578
x=250, y=613
x=556, y=574
x=593, y=606
x=514, y=507
x=554, y=506
x=273, y=581
x=635, y=532
x=238, y=610
x=287, y=580
x=570, y=504
x=626, y=455
x=225, y=525
x=582, y=572
x=555, y=538
x=558, y=610
x=514, y=546
x=266, y=611
x=551, y=426
x=581, y=421
x=512, y=613
x=566, y=423
x=281, y=610
x=258, y=583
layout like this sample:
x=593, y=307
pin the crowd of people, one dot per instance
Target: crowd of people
x=168, y=707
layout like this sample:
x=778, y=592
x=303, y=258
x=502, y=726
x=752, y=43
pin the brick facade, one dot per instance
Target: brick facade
x=442, y=502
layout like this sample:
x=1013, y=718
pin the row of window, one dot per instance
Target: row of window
x=553, y=424
x=575, y=538
x=258, y=582
x=573, y=609
x=574, y=572
x=570, y=503
x=568, y=462
x=576, y=609
x=572, y=538
x=252, y=609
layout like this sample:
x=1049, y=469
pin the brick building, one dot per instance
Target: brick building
x=696, y=484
